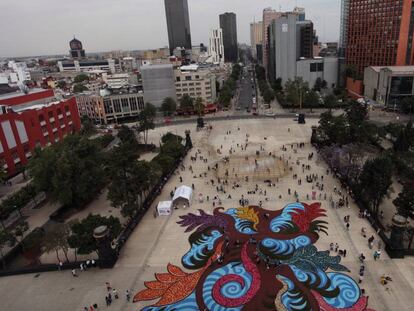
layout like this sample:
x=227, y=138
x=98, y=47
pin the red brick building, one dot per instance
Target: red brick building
x=33, y=120
x=380, y=33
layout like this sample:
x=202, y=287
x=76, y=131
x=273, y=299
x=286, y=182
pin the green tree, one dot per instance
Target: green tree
x=405, y=138
x=296, y=90
x=330, y=101
x=168, y=106
x=173, y=149
x=87, y=126
x=146, y=120
x=170, y=137
x=79, y=88
x=61, y=84
x=318, y=85
x=186, y=103
x=74, y=165
x=81, y=78
x=56, y=239
x=277, y=85
x=6, y=238
x=199, y=106
x=81, y=236
x=375, y=181
x=165, y=162
x=405, y=202
x=268, y=96
x=311, y=99
x=127, y=136
x=407, y=105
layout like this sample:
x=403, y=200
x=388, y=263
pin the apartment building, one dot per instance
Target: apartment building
x=111, y=106
x=196, y=83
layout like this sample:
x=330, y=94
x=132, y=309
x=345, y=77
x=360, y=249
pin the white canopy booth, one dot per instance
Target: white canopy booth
x=182, y=196
x=164, y=208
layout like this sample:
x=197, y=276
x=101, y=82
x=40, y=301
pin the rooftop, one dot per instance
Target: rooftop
x=402, y=69
x=19, y=93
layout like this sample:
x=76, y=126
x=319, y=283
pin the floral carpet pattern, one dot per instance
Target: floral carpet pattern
x=249, y=258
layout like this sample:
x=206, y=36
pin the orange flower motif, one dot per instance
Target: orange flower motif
x=172, y=286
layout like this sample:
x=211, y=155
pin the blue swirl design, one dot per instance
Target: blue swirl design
x=283, y=220
x=197, y=250
x=304, y=276
x=285, y=247
x=290, y=300
x=349, y=291
x=239, y=222
x=230, y=290
x=188, y=304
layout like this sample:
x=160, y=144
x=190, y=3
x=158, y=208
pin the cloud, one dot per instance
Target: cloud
x=41, y=27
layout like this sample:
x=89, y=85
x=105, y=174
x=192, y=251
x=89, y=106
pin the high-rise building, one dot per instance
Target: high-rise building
x=343, y=33
x=76, y=49
x=268, y=16
x=178, y=24
x=379, y=33
x=290, y=43
x=284, y=33
x=305, y=38
x=256, y=35
x=158, y=82
x=216, y=47
x=229, y=25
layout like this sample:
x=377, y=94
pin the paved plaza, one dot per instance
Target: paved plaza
x=156, y=242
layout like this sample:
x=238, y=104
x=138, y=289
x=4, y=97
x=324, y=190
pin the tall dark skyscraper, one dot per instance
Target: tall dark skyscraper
x=178, y=24
x=229, y=25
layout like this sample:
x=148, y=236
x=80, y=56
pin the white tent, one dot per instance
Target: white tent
x=164, y=208
x=182, y=196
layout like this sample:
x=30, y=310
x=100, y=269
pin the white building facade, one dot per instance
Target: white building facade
x=216, y=47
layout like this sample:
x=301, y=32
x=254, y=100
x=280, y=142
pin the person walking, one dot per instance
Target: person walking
x=347, y=226
x=115, y=293
x=74, y=273
x=128, y=295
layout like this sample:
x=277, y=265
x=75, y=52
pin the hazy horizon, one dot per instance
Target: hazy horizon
x=45, y=27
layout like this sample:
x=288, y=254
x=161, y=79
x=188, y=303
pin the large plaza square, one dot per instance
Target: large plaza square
x=282, y=150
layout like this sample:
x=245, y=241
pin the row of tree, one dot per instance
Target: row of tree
x=267, y=94
x=228, y=89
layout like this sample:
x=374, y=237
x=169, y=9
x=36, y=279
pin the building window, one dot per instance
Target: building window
x=133, y=103
x=320, y=67
x=178, y=79
x=125, y=105
x=188, y=78
x=50, y=114
x=59, y=111
x=197, y=77
x=141, y=103
x=41, y=118
x=117, y=106
x=66, y=108
x=313, y=67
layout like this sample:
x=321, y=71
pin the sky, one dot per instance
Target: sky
x=44, y=27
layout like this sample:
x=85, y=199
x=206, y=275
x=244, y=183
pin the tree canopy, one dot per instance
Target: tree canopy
x=375, y=181
x=186, y=103
x=70, y=172
x=405, y=201
x=146, y=120
x=168, y=106
x=82, y=238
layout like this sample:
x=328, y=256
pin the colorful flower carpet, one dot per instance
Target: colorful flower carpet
x=249, y=258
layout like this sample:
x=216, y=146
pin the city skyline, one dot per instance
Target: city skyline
x=44, y=27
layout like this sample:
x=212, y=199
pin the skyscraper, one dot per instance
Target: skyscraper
x=256, y=35
x=379, y=33
x=343, y=33
x=229, y=25
x=178, y=24
x=216, y=47
x=268, y=16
